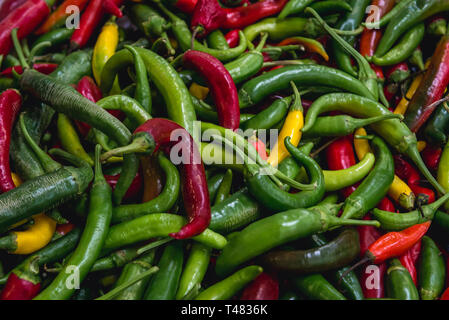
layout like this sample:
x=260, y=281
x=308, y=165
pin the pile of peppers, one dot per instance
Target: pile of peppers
x=224, y=150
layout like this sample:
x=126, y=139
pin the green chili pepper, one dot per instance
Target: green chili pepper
x=54, y=37
x=375, y=186
x=10, y=61
x=70, y=140
x=280, y=29
x=161, y=203
x=330, y=7
x=164, y=285
x=332, y=255
x=143, y=92
x=404, y=49
x=92, y=239
x=225, y=188
x=442, y=220
x=268, y=117
x=436, y=129
x=131, y=271
x=431, y=270
x=235, y=212
x=347, y=282
x=213, y=184
x=258, y=88
x=395, y=133
x=343, y=125
x=316, y=287
x=293, y=7
x=391, y=221
x=194, y=270
x=217, y=40
x=166, y=79
x=273, y=231
x=443, y=172
x=399, y=283
x=155, y=225
x=350, y=21
x=269, y=195
x=227, y=288
x=411, y=14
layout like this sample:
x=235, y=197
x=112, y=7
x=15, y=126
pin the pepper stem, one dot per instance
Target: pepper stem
x=46, y=161
x=111, y=294
x=263, y=40
x=8, y=242
x=37, y=48
x=365, y=122
x=18, y=48
x=153, y=245
x=143, y=143
x=76, y=161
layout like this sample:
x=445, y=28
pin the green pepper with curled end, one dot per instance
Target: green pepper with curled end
x=270, y=232
x=432, y=271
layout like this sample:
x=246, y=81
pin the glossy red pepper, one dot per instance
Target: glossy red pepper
x=431, y=89
x=10, y=102
x=91, y=17
x=65, y=228
x=408, y=173
x=45, y=68
x=240, y=17
x=186, y=6
x=264, y=287
x=340, y=155
x=207, y=16
x=167, y=134
x=232, y=38
x=20, y=288
x=431, y=156
x=8, y=6
x=221, y=85
x=112, y=8
x=409, y=260
x=26, y=18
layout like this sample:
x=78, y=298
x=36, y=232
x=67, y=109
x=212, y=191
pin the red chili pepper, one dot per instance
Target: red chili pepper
x=26, y=18
x=395, y=244
x=223, y=89
x=186, y=6
x=386, y=205
x=240, y=17
x=431, y=89
x=45, y=68
x=408, y=173
x=20, y=287
x=264, y=287
x=10, y=102
x=194, y=184
x=133, y=190
x=340, y=155
x=372, y=280
x=112, y=8
x=8, y=6
x=65, y=228
x=232, y=38
x=431, y=156
x=89, y=20
x=207, y=16
x=445, y=295
x=409, y=259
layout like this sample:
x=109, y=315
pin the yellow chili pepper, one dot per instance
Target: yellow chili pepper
x=403, y=104
x=291, y=128
x=198, y=91
x=35, y=237
x=399, y=191
x=105, y=48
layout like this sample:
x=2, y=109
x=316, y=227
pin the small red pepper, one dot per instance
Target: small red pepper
x=409, y=259
x=431, y=89
x=65, y=228
x=45, y=68
x=207, y=16
x=89, y=20
x=167, y=134
x=431, y=156
x=264, y=287
x=21, y=287
x=26, y=18
x=10, y=102
x=133, y=190
x=240, y=17
x=232, y=38
x=186, y=6
x=221, y=84
x=112, y=8
x=340, y=155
